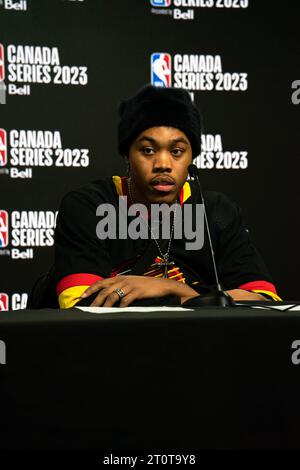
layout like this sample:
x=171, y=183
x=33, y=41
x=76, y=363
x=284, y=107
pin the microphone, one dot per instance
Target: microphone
x=220, y=297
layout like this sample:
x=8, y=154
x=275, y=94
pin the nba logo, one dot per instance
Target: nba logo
x=2, y=71
x=3, y=153
x=3, y=302
x=3, y=229
x=160, y=3
x=161, y=69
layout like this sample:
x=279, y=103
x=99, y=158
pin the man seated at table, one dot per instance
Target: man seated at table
x=159, y=136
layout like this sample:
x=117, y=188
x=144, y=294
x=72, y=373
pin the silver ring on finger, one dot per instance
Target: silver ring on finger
x=120, y=292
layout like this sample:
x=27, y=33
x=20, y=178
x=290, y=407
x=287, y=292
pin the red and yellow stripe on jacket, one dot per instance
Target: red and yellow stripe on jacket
x=157, y=271
x=70, y=288
x=261, y=287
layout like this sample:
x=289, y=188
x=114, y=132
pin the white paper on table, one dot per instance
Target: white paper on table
x=295, y=308
x=100, y=310
x=276, y=307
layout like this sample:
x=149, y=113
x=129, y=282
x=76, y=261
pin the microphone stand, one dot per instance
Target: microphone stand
x=219, y=297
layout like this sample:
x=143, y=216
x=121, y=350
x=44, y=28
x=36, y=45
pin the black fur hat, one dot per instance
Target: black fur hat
x=157, y=106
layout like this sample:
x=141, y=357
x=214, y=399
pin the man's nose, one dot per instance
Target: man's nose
x=162, y=161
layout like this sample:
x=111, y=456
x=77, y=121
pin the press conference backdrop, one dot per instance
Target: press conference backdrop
x=66, y=64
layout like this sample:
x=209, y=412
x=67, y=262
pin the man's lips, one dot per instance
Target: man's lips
x=163, y=183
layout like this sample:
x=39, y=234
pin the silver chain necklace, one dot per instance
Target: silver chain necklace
x=165, y=262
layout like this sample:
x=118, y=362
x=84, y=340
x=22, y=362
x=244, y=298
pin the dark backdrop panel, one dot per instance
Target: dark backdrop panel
x=111, y=44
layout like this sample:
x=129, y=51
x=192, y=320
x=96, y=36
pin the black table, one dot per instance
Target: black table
x=203, y=379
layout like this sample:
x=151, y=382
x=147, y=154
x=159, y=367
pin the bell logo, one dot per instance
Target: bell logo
x=3, y=302
x=2, y=69
x=3, y=148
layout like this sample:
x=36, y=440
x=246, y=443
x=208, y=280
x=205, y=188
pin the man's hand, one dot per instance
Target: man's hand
x=143, y=287
x=240, y=294
x=135, y=287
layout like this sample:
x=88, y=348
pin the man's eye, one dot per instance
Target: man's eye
x=147, y=150
x=177, y=152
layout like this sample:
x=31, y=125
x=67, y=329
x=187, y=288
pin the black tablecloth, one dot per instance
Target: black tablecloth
x=208, y=378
